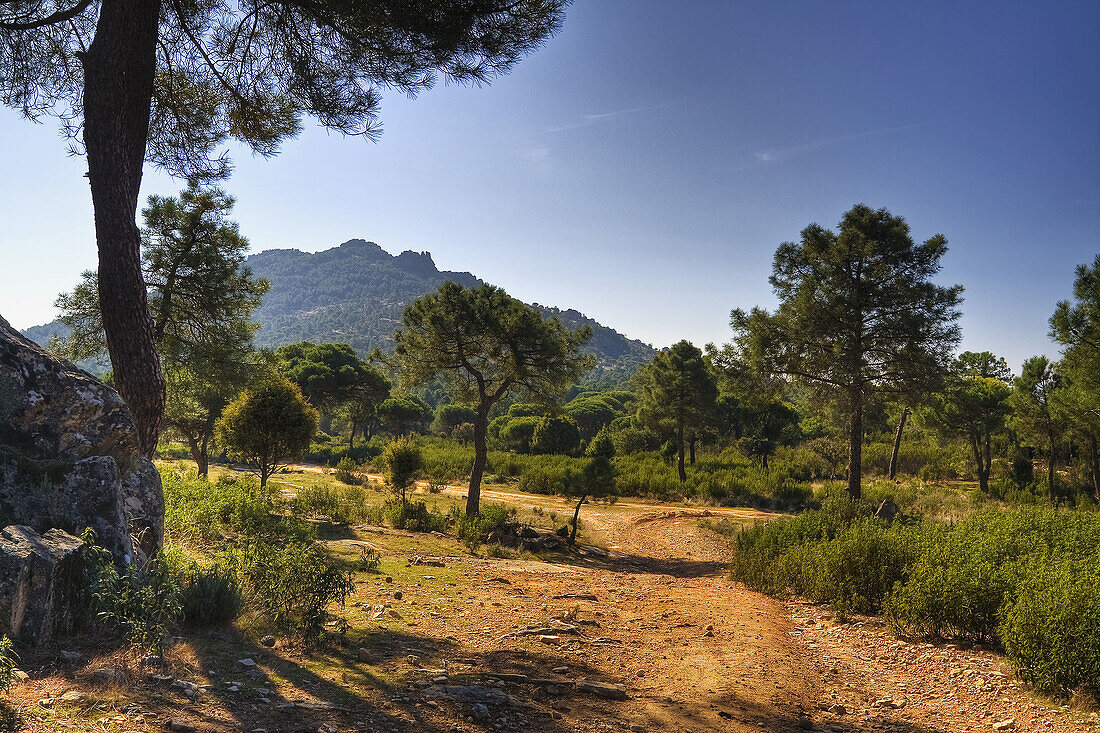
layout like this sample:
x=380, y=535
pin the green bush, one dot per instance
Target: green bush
x=413, y=516
x=208, y=512
x=1051, y=630
x=292, y=583
x=348, y=472
x=210, y=596
x=8, y=662
x=475, y=529
x=137, y=603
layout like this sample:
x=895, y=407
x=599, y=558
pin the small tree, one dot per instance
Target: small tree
x=403, y=413
x=267, y=425
x=676, y=395
x=485, y=344
x=596, y=480
x=401, y=461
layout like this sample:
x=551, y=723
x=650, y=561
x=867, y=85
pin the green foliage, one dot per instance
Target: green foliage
x=1051, y=627
x=137, y=603
x=450, y=416
x=601, y=445
x=348, y=471
x=8, y=663
x=209, y=513
x=401, y=462
x=411, y=516
x=292, y=583
x=858, y=313
x=1024, y=578
x=267, y=425
x=517, y=433
x=210, y=596
x=676, y=394
x=474, y=529
x=403, y=414
x=559, y=435
x=329, y=374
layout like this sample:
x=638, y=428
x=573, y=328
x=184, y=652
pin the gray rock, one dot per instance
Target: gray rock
x=481, y=712
x=41, y=581
x=608, y=690
x=69, y=456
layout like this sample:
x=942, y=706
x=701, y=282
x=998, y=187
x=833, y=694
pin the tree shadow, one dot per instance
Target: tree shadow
x=348, y=689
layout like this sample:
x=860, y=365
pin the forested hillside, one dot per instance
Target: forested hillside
x=355, y=294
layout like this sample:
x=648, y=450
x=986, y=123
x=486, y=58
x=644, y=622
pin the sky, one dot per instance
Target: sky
x=643, y=166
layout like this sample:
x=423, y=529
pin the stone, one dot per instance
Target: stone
x=267, y=641
x=70, y=656
x=838, y=709
x=481, y=711
x=110, y=676
x=1005, y=724
x=363, y=655
x=608, y=690
x=41, y=581
x=69, y=455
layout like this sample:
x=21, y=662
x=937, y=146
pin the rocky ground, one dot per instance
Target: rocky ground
x=648, y=635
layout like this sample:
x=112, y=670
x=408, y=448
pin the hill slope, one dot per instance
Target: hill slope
x=356, y=293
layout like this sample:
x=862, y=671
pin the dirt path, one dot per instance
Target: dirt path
x=699, y=652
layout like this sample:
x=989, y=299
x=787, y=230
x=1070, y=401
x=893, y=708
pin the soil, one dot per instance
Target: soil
x=654, y=612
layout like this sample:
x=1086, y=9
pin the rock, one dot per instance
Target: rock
x=549, y=639
x=608, y=690
x=398, y=595
x=1005, y=725
x=72, y=696
x=888, y=510
x=838, y=709
x=246, y=663
x=481, y=711
x=69, y=455
x=268, y=641
x=562, y=532
x=110, y=676
x=20, y=676
x=180, y=725
x=70, y=656
x=363, y=655
x=41, y=581
x=560, y=670
x=805, y=724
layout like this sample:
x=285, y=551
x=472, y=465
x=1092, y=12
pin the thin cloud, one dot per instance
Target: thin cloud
x=772, y=155
x=593, y=119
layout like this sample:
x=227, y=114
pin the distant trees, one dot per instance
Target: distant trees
x=555, y=434
x=172, y=81
x=974, y=404
x=859, y=314
x=448, y=417
x=676, y=394
x=403, y=413
x=596, y=480
x=1076, y=326
x=267, y=425
x=485, y=344
x=1034, y=415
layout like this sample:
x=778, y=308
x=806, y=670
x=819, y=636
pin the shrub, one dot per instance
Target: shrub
x=413, y=516
x=1051, y=631
x=136, y=603
x=348, y=472
x=210, y=596
x=8, y=662
x=474, y=529
x=210, y=512
x=558, y=435
x=293, y=583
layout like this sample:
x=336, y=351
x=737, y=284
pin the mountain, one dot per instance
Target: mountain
x=356, y=293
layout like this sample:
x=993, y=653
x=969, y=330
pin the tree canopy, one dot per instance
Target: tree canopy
x=859, y=314
x=484, y=345
x=172, y=81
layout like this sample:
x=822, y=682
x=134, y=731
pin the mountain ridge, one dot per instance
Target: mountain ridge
x=355, y=293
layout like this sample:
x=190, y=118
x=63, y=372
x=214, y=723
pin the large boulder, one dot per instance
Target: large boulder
x=69, y=456
x=41, y=583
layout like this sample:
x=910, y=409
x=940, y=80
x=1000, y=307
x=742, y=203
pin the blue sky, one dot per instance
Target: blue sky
x=644, y=165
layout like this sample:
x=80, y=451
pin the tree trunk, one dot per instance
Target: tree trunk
x=351, y=438
x=576, y=516
x=680, y=453
x=897, y=443
x=988, y=455
x=764, y=460
x=119, y=68
x=855, y=447
x=691, y=449
x=983, y=475
x=1050, y=469
x=481, y=455
x=204, y=456
x=1094, y=460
